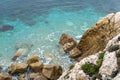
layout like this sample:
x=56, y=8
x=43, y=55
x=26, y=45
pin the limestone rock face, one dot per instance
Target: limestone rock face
x=5, y=77
x=96, y=38
x=52, y=72
x=36, y=67
x=17, y=68
x=111, y=58
x=77, y=73
x=109, y=64
x=33, y=59
x=117, y=77
x=67, y=42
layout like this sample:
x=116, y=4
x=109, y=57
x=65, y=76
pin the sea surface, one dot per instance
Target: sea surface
x=40, y=23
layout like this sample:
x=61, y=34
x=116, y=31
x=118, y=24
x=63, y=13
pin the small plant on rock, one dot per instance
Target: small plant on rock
x=71, y=66
x=93, y=69
x=101, y=55
x=89, y=68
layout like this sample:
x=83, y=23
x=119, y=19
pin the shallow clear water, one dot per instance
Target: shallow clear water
x=41, y=22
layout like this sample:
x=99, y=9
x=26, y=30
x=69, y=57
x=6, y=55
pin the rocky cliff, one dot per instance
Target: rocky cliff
x=96, y=38
x=98, y=52
x=103, y=65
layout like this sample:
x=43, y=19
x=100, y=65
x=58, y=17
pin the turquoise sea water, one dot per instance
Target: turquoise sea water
x=41, y=22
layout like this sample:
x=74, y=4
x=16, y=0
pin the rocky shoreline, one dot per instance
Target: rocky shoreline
x=97, y=53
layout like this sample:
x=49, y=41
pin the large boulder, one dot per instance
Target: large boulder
x=33, y=59
x=96, y=38
x=36, y=67
x=67, y=42
x=52, y=72
x=75, y=52
x=17, y=68
x=6, y=27
x=5, y=77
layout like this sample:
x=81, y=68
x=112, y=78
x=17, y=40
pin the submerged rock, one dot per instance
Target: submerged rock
x=25, y=45
x=67, y=42
x=96, y=38
x=20, y=52
x=4, y=28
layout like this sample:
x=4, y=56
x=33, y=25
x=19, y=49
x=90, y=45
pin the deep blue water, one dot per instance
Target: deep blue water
x=41, y=22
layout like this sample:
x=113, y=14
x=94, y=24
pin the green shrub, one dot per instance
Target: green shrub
x=92, y=69
x=99, y=63
x=89, y=68
x=101, y=55
x=71, y=66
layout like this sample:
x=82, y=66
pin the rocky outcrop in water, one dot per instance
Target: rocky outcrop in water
x=96, y=38
x=4, y=28
x=31, y=69
x=102, y=65
x=67, y=42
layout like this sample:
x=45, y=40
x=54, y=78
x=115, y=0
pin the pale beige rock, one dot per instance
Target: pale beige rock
x=117, y=77
x=109, y=64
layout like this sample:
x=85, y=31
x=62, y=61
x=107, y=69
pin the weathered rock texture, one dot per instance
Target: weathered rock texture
x=17, y=68
x=5, y=77
x=36, y=67
x=77, y=73
x=96, y=38
x=52, y=72
x=110, y=63
x=33, y=59
x=109, y=69
x=67, y=42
